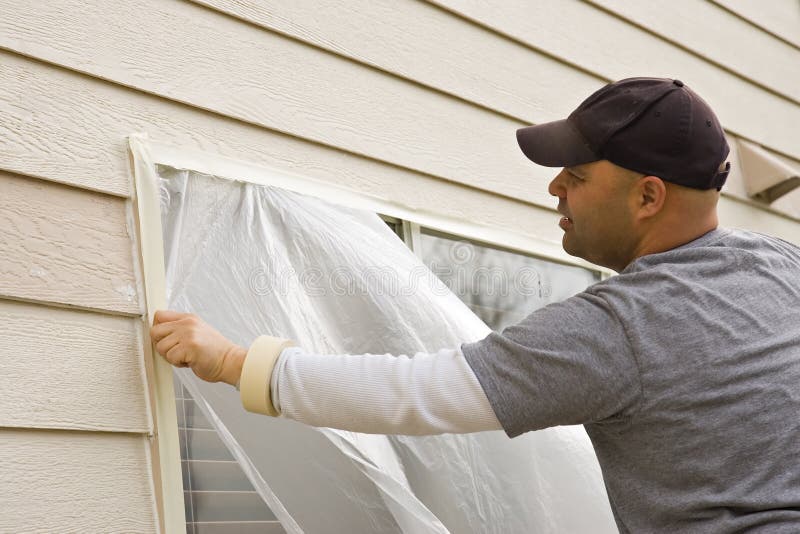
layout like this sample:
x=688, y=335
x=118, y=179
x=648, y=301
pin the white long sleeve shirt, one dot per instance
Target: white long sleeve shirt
x=427, y=393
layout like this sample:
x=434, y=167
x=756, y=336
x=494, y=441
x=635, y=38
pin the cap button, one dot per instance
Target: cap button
x=678, y=83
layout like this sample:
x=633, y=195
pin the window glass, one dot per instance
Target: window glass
x=500, y=286
x=395, y=224
x=217, y=495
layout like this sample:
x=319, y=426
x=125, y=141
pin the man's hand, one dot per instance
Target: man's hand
x=186, y=341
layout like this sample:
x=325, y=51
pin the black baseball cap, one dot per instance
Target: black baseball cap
x=656, y=126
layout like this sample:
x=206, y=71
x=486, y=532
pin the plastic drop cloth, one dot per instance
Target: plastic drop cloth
x=252, y=260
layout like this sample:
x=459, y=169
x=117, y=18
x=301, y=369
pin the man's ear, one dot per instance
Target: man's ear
x=652, y=193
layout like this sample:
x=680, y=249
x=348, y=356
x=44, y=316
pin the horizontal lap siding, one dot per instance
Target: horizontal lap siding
x=263, y=78
x=719, y=36
x=89, y=117
x=602, y=43
x=75, y=482
x=54, y=135
x=455, y=136
x=65, y=245
x=429, y=45
x=69, y=369
x=426, y=44
x=779, y=17
x=734, y=213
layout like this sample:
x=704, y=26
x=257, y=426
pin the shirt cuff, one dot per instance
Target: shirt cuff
x=254, y=384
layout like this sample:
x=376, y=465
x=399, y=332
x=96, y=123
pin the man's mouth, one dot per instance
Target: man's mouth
x=565, y=223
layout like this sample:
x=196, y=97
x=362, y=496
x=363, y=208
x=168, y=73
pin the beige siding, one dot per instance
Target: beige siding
x=719, y=36
x=65, y=245
x=778, y=17
x=421, y=42
x=480, y=156
x=75, y=482
x=71, y=370
x=268, y=80
x=53, y=135
x=62, y=247
x=84, y=115
x=461, y=58
x=736, y=213
x=261, y=78
x=602, y=43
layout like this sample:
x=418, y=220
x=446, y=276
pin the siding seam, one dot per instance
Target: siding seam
x=700, y=55
x=754, y=24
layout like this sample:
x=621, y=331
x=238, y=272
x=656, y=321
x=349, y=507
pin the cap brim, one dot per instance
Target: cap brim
x=555, y=144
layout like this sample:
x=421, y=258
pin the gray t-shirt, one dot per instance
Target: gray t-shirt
x=685, y=371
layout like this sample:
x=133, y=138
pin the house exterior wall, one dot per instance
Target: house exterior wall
x=416, y=101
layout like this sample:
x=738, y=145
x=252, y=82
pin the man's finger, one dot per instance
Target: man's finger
x=164, y=346
x=160, y=331
x=164, y=316
x=176, y=356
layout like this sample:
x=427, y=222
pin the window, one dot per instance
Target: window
x=500, y=286
x=217, y=495
x=495, y=273
x=395, y=224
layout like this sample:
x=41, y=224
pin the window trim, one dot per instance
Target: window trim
x=164, y=441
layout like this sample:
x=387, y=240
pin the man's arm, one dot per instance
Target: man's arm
x=381, y=394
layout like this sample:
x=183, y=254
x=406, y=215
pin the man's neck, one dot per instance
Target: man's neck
x=663, y=239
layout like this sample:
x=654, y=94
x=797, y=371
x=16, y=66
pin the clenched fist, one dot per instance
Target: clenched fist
x=186, y=341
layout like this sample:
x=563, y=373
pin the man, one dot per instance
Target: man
x=684, y=368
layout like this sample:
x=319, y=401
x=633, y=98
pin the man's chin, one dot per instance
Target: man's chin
x=569, y=246
x=572, y=248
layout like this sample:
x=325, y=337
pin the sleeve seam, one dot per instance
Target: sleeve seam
x=488, y=377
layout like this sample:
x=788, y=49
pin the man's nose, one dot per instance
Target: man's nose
x=556, y=187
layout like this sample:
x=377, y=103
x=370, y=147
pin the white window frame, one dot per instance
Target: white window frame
x=146, y=154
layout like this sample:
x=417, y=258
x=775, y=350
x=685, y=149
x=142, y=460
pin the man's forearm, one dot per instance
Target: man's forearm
x=380, y=394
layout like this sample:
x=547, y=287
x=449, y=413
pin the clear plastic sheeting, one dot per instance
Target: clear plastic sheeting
x=251, y=260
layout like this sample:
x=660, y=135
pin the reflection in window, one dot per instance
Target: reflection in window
x=499, y=286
